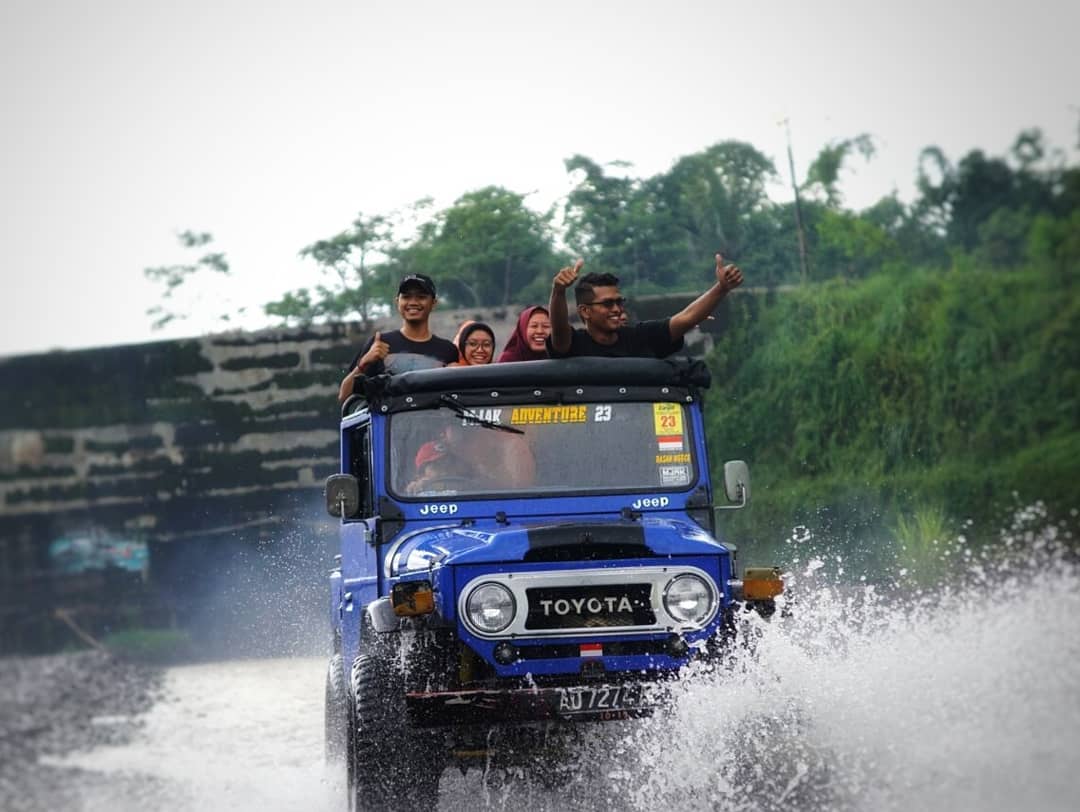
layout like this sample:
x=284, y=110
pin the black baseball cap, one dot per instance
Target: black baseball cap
x=422, y=281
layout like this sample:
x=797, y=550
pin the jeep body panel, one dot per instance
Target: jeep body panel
x=607, y=556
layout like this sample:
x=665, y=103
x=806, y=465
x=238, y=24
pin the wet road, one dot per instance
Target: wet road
x=963, y=699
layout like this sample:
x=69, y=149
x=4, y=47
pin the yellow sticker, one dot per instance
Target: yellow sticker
x=541, y=415
x=667, y=419
x=668, y=459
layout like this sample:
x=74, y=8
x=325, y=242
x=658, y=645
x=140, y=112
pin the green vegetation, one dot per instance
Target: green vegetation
x=869, y=406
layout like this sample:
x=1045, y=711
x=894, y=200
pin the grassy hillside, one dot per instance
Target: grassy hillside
x=906, y=405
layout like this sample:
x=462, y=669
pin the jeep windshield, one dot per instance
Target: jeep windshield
x=558, y=449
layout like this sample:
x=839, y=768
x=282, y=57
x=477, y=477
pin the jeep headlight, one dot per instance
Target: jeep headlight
x=490, y=608
x=688, y=599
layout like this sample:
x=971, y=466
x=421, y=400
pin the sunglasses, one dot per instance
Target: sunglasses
x=607, y=304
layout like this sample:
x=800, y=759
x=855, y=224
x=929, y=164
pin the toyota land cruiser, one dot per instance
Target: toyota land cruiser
x=521, y=545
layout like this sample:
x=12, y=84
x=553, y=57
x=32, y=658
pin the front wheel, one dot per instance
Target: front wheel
x=393, y=766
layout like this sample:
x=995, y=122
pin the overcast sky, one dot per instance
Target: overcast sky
x=271, y=124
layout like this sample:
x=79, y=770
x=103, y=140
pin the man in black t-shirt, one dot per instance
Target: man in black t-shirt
x=601, y=308
x=414, y=346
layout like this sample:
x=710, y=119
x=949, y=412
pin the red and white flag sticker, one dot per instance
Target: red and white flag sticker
x=670, y=443
x=592, y=649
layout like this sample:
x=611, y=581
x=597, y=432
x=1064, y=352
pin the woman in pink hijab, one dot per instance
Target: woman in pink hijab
x=528, y=341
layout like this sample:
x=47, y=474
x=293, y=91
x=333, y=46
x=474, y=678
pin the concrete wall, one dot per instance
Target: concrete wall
x=182, y=448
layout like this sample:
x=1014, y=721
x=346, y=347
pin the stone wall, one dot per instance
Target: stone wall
x=156, y=457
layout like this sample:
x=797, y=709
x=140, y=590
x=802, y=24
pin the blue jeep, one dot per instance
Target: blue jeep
x=523, y=546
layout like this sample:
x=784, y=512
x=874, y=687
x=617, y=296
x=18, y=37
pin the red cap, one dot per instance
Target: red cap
x=429, y=452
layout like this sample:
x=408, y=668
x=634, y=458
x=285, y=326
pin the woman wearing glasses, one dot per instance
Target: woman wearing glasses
x=476, y=344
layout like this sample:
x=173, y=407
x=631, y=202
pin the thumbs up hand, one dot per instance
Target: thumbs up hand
x=568, y=276
x=378, y=351
x=728, y=275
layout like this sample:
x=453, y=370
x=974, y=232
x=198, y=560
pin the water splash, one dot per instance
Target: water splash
x=870, y=694
x=964, y=695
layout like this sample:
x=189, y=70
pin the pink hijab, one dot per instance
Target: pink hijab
x=517, y=347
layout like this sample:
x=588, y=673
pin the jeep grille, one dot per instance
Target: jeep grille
x=580, y=607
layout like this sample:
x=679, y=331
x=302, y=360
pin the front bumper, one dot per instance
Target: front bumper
x=593, y=702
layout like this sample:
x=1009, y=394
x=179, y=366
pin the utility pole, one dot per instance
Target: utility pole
x=803, y=264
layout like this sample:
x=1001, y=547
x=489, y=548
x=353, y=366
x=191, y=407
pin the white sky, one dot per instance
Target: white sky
x=271, y=124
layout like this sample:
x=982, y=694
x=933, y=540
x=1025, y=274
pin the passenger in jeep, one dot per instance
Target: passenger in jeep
x=414, y=346
x=529, y=339
x=601, y=308
x=454, y=455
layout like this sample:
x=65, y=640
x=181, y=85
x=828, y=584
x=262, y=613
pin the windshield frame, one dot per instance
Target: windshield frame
x=698, y=459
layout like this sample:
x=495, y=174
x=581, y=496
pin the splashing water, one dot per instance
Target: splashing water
x=966, y=696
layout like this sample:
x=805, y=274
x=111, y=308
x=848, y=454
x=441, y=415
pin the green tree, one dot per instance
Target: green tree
x=174, y=276
x=714, y=195
x=661, y=233
x=824, y=172
x=349, y=260
x=482, y=251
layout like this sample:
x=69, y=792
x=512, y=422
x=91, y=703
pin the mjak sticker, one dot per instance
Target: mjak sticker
x=674, y=475
x=487, y=415
x=542, y=415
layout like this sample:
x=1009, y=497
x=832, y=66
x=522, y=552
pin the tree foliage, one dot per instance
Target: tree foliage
x=174, y=276
x=824, y=172
x=859, y=403
x=483, y=250
x=659, y=233
x=348, y=260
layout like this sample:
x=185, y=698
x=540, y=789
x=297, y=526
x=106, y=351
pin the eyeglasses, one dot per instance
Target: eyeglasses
x=607, y=304
x=480, y=345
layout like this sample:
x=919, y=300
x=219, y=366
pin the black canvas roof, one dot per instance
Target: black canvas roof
x=414, y=388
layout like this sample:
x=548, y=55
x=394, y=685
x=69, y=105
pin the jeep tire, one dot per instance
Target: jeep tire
x=391, y=766
x=335, y=715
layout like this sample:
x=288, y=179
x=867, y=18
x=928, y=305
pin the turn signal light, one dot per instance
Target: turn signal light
x=412, y=598
x=761, y=583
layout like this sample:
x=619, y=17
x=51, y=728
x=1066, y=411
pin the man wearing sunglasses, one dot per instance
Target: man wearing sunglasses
x=602, y=308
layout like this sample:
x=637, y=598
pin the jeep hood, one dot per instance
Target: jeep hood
x=421, y=549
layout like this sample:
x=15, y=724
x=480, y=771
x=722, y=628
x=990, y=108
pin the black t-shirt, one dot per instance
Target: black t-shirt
x=646, y=339
x=406, y=355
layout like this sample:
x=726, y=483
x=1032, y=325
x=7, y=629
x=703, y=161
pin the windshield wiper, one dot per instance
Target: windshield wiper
x=460, y=410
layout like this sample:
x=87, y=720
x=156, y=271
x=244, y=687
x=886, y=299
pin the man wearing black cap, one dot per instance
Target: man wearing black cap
x=414, y=346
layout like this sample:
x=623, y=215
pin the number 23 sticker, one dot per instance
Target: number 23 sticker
x=602, y=414
x=667, y=418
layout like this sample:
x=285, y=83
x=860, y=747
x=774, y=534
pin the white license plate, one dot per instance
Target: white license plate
x=601, y=698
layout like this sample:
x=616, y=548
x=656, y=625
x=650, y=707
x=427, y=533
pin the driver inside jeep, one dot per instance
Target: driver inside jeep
x=438, y=471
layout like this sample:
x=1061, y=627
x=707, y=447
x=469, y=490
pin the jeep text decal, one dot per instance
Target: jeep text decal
x=436, y=509
x=652, y=502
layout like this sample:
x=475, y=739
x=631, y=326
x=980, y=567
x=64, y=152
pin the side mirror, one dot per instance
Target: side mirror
x=342, y=495
x=736, y=483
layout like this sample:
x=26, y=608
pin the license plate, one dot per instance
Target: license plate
x=600, y=698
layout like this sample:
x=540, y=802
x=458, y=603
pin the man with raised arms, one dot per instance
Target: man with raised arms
x=601, y=307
